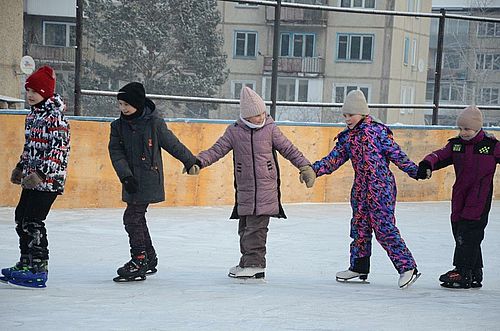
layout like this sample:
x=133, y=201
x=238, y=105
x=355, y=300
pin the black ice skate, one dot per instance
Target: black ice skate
x=477, y=278
x=457, y=279
x=349, y=276
x=134, y=270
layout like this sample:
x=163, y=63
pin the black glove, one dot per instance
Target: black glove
x=424, y=170
x=131, y=184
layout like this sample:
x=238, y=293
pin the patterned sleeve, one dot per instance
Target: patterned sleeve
x=395, y=154
x=56, y=158
x=337, y=157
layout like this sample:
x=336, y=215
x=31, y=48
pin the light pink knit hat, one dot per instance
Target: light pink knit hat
x=471, y=118
x=251, y=104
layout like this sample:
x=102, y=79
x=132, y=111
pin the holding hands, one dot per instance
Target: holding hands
x=307, y=175
x=194, y=170
x=424, y=170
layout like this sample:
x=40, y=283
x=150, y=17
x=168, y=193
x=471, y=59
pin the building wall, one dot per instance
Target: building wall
x=11, y=50
x=92, y=182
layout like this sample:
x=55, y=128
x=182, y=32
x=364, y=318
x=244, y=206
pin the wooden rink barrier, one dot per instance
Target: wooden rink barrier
x=92, y=182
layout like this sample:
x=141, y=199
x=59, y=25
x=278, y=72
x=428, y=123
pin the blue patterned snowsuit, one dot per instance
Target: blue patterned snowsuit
x=370, y=146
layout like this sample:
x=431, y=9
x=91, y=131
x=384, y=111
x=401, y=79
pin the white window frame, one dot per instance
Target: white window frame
x=486, y=61
x=243, y=83
x=296, y=87
x=235, y=38
x=68, y=32
x=349, y=44
x=345, y=86
x=487, y=25
x=291, y=43
x=414, y=52
x=363, y=5
x=489, y=102
x=405, y=90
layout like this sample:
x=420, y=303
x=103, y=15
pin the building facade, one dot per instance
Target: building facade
x=325, y=54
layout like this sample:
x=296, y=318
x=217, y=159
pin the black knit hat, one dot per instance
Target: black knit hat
x=133, y=94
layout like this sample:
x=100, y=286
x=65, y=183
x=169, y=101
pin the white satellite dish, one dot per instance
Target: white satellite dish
x=27, y=65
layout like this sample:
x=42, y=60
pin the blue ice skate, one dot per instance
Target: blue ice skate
x=29, y=278
x=7, y=272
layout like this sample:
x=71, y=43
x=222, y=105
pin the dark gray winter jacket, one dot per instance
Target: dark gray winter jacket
x=135, y=150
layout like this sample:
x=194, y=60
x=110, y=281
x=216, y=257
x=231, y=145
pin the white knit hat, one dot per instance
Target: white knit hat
x=471, y=118
x=355, y=104
x=251, y=104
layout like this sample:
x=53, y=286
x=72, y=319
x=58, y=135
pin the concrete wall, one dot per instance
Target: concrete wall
x=11, y=47
x=92, y=182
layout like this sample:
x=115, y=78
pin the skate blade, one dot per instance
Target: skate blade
x=249, y=280
x=120, y=279
x=151, y=272
x=24, y=287
x=413, y=280
x=354, y=280
x=454, y=286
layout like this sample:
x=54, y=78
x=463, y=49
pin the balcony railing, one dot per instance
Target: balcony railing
x=298, y=16
x=310, y=65
x=52, y=53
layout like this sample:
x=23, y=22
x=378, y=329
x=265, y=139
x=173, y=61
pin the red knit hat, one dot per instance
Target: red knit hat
x=43, y=81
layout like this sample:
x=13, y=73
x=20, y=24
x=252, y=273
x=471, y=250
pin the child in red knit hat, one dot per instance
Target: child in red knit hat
x=41, y=172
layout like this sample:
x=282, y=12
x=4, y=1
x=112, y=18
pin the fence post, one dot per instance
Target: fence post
x=78, y=57
x=439, y=65
x=276, y=48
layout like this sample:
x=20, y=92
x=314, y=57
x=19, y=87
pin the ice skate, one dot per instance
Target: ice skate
x=349, y=276
x=408, y=277
x=458, y=279
x=247, y=272
x=444, y=277
x=477, y=278
x=21, y=265
x=133, y=270
x=30, y=277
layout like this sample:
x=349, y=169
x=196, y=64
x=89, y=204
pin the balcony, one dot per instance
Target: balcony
x=296, y=65
x=298, y=16
x=52, y=54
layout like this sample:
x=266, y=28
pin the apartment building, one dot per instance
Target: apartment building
x=324, y=55
x=471, y=59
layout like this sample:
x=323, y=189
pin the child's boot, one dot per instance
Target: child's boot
x=444, y=277
x=34, y=276
x=133, y=270
x=349, y=275
x=23, y=264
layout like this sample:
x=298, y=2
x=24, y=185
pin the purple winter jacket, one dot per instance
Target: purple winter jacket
x=475, y=164
x=256, y=170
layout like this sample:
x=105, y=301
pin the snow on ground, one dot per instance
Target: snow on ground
x=197, y=245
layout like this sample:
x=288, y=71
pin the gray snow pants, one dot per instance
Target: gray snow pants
x=253, y=236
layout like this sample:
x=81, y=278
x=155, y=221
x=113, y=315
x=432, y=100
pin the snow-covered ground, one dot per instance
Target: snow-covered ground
x=197, y=245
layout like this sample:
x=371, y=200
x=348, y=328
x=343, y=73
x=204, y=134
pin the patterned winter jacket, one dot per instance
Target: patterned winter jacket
x=256, y=171
x=370, y=147
x=47, y=144
x=475, y=163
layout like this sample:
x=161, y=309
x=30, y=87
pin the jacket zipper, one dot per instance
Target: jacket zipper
x=254, y=174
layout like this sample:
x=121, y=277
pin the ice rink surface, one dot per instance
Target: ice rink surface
x=197, y=245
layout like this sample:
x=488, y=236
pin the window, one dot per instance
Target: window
x=452, y=61
x=488, y=62
x=353, y=47
x=237, y=86
x=357, y=3
x=245, y=44
x=406, y=51
x=59, y=34
x=488, y=96
x=341, y=91
x=297, y=44
x=242, y=4
x=451, y=92
x=289, y=89
x=488, y=29
x=414, y=51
